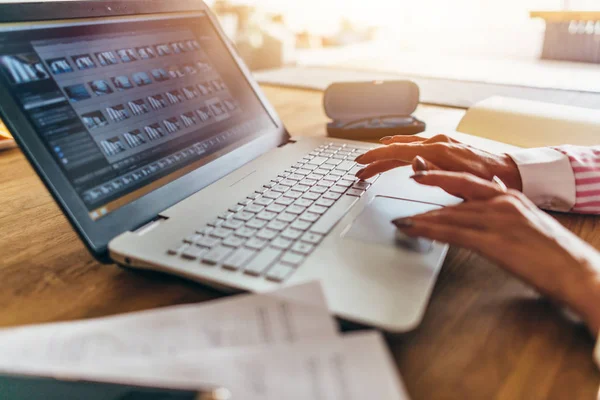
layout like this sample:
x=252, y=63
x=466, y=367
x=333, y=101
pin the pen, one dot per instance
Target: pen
x=19, y=387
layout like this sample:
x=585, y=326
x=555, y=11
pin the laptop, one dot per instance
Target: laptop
x=162, y=151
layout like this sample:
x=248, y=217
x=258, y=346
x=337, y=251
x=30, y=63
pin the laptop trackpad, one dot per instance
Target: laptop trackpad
x=374, y=224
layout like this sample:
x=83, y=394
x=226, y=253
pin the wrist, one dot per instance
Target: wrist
x=508, y=171
x=586, y=295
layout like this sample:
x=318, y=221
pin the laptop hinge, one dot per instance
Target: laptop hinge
x=148, y=226
x=290, y=141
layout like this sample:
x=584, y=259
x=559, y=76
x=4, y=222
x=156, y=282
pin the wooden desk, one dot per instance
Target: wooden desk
x=485, y=335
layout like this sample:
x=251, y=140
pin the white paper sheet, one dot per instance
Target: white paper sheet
x=282, y=316
x=353, y=367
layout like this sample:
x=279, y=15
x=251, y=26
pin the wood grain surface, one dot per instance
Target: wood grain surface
x=485, y=335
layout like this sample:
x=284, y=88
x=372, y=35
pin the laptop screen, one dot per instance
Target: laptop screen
x=129, y=104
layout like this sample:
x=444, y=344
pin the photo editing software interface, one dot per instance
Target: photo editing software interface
x=128, y=106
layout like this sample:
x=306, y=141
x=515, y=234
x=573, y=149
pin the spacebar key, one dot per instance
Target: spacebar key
x=333, y=215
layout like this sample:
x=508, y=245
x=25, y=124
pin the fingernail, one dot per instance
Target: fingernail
x=357, y=159
x=420, y=164
x=403, y=223
x=418, y=174
x=499, y=182
x=385, y=139
x=359, y=172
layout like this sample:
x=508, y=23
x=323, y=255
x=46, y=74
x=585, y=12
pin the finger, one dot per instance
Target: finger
x=398, y=151
x=460, y=184
x=468, y=238
x=378, y=167
x=461, y=216
x=441, y=139
x=401, y=139
x=421, y=164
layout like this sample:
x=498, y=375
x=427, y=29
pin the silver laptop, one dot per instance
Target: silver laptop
x=160, y=148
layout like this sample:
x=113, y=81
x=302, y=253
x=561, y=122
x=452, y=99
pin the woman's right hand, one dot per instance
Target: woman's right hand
x=507, y=228
x=439, y=153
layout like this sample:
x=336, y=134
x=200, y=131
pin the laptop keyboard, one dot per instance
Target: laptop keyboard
x=270, y=233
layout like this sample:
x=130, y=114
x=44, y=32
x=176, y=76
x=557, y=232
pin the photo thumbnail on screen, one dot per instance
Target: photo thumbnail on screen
x=100, y=87
x=94, y=120
x=23, y=68
x=84, y=61
x=77, y=93
x=59, y=66
x=107, y=58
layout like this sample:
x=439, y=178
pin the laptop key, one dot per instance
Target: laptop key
x=345, y=165
x=205, y=231
x=332, y=195
x=262, y=261
x=233, y=224
x=272, y=195
x=233, y=241
x=280, y=188
x=291, y=234
x=243, y=216
x=226, y=214
x=207, y=241
x=300, y=225
x=333, y=215
x=302, y=248
x=266, y=215
x=321, y=172
x=253, y=196
x=325, y=202
x=221, y=233
x=238, y=259
x=303, y=171
x=256, y=243
x=361, y=185
x=279, y=272
x=254, y=208
x=293, y=194
x=303, y=202
x=286, y=217
x=309, y=217
x=292, y=258
x=355, y=192
x=276, y=208
x=317, y=160
x=281, y=243
x=236, y=208
x=317, y=209
x=216, y=255
x=296, y=177
x=192, y=238
x=217, y=222
x=285, y=201
x=288, y=182
x=319, y=189
x=245, y=232
x=338, y=189
x=311, y=196
x=312, y=238
x=193, y=252
x=179, y=249
x=263, y=201
x=308, y=182
x=256, y=223
x=277, y=225
x=267, y=234
x=345, y=183
x=295, y=209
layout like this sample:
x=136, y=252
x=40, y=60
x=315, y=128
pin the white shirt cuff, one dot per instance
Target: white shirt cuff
x=547, y=177
x=597, y=352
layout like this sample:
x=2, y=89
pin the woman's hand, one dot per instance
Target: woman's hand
x=442, y=153
x=507, y=228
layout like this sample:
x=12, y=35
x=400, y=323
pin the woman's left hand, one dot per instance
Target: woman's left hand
x=507, y=228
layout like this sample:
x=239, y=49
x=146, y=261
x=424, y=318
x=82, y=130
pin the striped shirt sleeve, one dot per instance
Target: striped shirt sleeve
x=585, y=164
